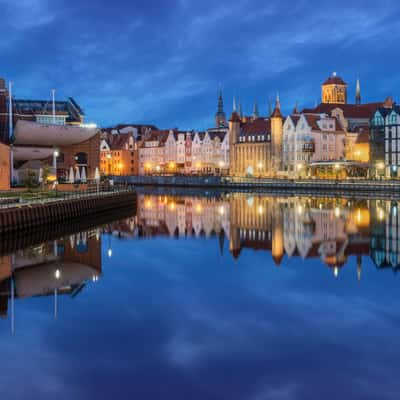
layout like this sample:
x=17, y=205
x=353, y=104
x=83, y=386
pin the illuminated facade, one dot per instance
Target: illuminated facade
x=255, y=144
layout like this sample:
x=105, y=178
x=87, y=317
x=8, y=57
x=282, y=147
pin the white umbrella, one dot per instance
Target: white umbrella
x=97, y=175
x=71, y=175
x=77, y=175
x=40, y=179
x=83, y=175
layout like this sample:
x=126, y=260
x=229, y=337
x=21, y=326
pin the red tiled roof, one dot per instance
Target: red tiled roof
x=334, y=80
x=363, y=111
x=235, y=117
x=313, y=120
x=256, y=127
x=276, y=113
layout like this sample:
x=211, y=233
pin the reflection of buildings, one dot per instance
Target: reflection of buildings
x=385, y=234
x=328, y=229
x=54, y=268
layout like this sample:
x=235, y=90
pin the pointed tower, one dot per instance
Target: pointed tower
x=296, y=109
x=276, y=137
x=234, y=104
x=358, y=92
x=220, y=118
x=255, y=110
x=269, y=106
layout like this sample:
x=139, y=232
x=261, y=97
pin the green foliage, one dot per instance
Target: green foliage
x=31, y=180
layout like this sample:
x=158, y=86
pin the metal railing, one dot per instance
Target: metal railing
x=42, y=197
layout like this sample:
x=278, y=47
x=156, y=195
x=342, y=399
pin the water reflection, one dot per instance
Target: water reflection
x=329, y=229
x=61, y=267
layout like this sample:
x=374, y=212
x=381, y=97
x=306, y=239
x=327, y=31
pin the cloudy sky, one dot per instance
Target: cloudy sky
x=162, y=61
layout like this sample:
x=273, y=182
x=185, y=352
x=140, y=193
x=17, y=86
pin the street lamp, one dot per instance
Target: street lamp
x=55, y=155
x=380, y=167
x=337, y=167
x=259, y=166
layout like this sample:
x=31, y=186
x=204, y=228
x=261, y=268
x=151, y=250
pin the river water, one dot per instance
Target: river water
x=239, y=296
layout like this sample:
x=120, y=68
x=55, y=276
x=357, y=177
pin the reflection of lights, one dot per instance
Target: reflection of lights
x=95, y=278
x=221, y=210
x=158, y=168
x=299, y=167
x=198, y=208
x=380, y=165
x=394, y=211
x=221, y=164
x=300, y=209
x=250, y=201
x=172, y=206
x=320, y=206
x=260, y=209
x=109, y=253
x=359, y=216
x=381, y=214
x=57, y=274
x=337, y=212
x=337, y=166
x=148, y=204
x=336, y=272
x=259, y=165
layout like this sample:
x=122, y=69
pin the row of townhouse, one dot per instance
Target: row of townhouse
x=173, y=151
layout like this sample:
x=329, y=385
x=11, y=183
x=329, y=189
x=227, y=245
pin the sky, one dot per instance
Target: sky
x=163, y=61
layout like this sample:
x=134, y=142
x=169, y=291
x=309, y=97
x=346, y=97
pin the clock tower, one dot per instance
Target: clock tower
x=220, y=117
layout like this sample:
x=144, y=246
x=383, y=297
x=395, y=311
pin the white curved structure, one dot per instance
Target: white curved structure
x=34, y=134
x=22, y=153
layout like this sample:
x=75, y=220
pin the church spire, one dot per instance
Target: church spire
x=220, y=118
x=277, y=111
x=255, y=110
x=269, y=106
x=296, y=108
x=234, y=104
x=358, y=92
x=240, y=112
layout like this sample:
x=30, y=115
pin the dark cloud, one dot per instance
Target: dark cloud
x=162, y=61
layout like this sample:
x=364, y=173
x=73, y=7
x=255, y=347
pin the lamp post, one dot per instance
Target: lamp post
x=259, y=166
x=380, y=166
x=55, y=155
x=109, y=158
x=337, y=167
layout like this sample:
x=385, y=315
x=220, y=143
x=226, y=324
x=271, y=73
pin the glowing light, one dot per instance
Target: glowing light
x=198, y=208
x=260, y=209
x=221, y=210
x=250, y=201
x=337, y=166
x=337, y=212
x=158, y=168
x=299, y=210
x=172, y=206
x=320, y=206
x=380, y=165
x=336, y=272
x=381, y=214
x=57, y=274
x=90, y=125
x=148, y=204
x=109, y=253
x=56, y=153
x=221, y=164
x=109, y=156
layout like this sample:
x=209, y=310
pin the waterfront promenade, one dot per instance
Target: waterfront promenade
x=362, y=188
x=23, y=213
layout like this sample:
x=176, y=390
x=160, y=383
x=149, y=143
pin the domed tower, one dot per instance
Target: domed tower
x=334, y=90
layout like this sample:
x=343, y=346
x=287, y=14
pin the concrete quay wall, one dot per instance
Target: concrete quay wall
x=24, y=217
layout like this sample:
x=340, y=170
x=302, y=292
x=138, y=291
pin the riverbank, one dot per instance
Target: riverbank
x=361, y=188
x=68, y=208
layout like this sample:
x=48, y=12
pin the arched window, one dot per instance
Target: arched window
x=393, y=118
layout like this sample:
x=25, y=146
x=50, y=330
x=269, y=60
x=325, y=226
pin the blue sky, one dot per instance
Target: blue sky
x=161, y=62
